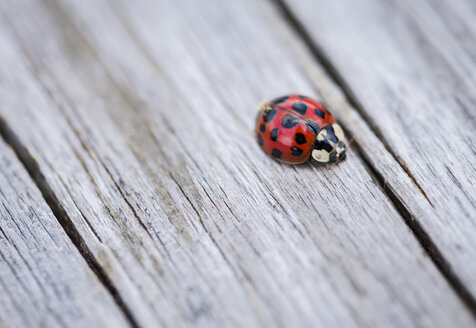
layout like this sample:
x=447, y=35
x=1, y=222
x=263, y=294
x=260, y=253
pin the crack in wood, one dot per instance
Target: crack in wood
x=349, y=95
x=33, y=169
x=420, y=234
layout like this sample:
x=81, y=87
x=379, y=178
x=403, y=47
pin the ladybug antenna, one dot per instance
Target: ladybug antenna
x=351, y=141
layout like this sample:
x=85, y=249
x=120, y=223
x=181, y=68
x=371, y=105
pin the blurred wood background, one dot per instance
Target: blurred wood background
x=133, y=192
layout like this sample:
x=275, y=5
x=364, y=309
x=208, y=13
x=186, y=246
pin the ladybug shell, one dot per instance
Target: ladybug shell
x=287, y=127
x=307, y=107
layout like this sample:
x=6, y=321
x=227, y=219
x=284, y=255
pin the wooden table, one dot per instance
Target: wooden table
x=134, y=194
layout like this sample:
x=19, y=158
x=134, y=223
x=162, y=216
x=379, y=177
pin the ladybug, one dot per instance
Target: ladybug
x=293, y=128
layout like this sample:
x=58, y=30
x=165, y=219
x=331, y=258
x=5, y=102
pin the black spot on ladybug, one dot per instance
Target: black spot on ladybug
x=323, y=145
x=330, y=134
x=295, y=151
x=262, y=128
x=332, y=157
x=299, y=107
x=269, y=114
x=313, y=127
x=288, y=121
x=319, y=112
x=280, y=100
x=259, y=138
x=273, y=134
x=276, y=153
x=300, y=138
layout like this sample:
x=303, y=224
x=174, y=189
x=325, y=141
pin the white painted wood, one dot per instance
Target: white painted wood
x=411, y=65
x=140, y=117
x=44, y=281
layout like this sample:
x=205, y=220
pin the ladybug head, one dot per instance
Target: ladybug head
x=329, y=146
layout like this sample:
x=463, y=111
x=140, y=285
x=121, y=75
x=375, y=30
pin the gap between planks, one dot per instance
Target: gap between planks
x=418, y=231
x=31, y=166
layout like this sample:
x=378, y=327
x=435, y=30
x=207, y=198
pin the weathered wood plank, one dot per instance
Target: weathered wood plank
x=142, y=126
x=44, y=281
x=410, y=66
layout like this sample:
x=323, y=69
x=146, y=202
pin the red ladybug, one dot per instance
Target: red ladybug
x=293, y=128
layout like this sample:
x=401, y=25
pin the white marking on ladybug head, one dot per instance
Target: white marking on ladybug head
x=322, y=135
x=329, y=145
x=320, y=155
x=339, y=133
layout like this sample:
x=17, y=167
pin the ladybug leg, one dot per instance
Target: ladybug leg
x=333, y=164
x=262, y=104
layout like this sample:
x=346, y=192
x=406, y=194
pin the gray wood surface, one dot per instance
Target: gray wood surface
x=139, y=116
x=410, y=66
x=44, y=281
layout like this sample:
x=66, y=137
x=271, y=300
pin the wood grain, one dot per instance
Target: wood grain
x=410, y=67
x=140, y=118
x=44, y=281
